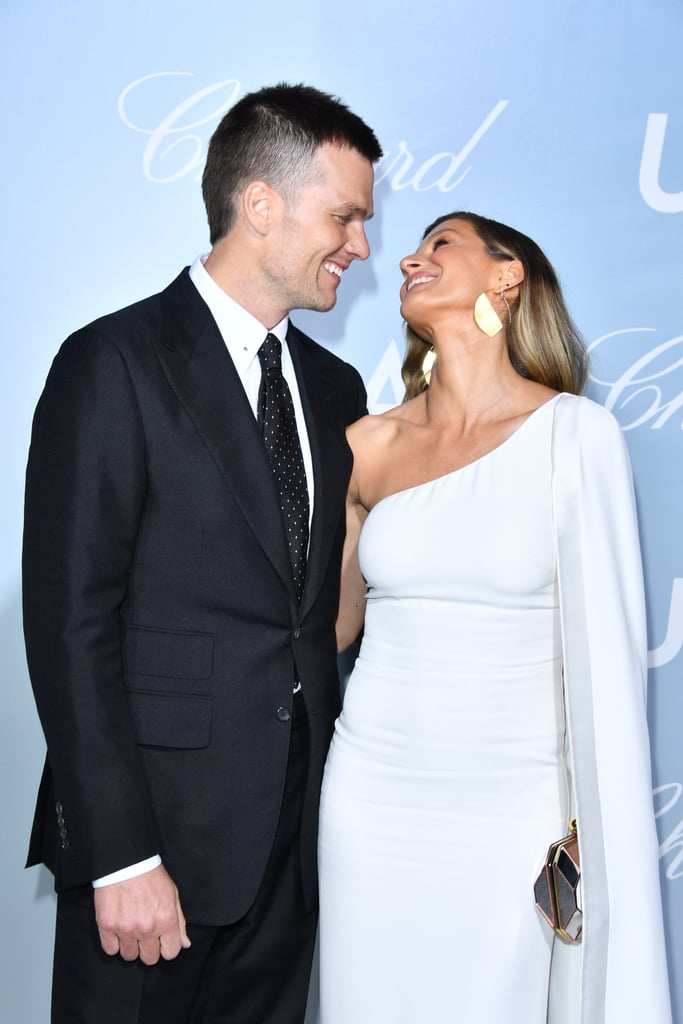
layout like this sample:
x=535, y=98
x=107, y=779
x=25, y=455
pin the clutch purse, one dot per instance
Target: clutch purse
x=556, y=888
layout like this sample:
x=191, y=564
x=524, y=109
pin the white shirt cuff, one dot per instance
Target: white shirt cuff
x=132, y=871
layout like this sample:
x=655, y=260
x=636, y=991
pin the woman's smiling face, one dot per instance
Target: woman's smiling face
x=445, y=275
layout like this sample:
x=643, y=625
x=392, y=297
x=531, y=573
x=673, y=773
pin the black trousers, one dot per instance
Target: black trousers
x=255, y=971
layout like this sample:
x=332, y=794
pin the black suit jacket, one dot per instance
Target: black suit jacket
x=162, y=628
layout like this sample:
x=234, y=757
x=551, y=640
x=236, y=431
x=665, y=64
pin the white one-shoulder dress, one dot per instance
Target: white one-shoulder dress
x=445, y=780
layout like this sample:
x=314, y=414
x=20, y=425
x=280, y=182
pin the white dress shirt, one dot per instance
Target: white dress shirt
x=243, y=335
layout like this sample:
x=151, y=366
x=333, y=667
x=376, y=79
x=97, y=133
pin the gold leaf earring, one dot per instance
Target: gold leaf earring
x=485, y=316
x=427, y=364
x=505, y=300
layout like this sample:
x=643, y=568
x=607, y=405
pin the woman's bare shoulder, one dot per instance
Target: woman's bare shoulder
x=381, y=428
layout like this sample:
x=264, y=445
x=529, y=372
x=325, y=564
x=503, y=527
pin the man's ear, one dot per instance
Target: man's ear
x=260, y=203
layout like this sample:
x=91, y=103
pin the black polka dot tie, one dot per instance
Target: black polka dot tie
x=278, y=426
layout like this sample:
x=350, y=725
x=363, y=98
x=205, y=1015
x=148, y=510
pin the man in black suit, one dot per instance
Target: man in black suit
x=179, y=598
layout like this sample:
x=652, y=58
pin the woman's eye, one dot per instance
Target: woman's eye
x=438, y=242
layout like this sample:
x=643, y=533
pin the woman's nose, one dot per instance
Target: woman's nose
x=409, y=263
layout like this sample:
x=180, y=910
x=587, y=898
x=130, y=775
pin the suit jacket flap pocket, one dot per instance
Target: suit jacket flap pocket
x=170, y=719
x=155, y=652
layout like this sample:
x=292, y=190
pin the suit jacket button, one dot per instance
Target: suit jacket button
x=283, y=714
x=297, y=633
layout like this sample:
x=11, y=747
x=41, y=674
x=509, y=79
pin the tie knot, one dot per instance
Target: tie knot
x=270, y=353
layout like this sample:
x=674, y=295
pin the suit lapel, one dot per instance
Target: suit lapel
x=331, y=458
x=202, y=374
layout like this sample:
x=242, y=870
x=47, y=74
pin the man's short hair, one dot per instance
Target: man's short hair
x=272, y=135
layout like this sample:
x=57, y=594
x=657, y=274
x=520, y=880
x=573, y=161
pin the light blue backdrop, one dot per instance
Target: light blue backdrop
x=562, y=118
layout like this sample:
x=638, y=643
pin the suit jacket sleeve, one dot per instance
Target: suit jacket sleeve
x=84, y=499
x=623, y=960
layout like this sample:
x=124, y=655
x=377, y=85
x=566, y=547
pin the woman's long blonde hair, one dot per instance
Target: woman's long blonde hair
x=543, y=343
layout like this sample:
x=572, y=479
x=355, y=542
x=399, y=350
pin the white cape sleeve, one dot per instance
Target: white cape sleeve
x=623, y=975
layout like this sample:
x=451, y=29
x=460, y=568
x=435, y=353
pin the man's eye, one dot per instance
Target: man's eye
x=343, y=218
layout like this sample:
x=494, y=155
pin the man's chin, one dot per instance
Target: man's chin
x=324, y=303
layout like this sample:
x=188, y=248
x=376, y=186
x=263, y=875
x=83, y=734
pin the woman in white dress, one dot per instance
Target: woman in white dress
x=492, y=553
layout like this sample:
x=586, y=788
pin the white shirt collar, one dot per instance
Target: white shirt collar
x=242, y=333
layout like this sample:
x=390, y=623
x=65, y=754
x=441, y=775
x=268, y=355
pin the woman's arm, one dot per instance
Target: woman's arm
x=351, y=613
x=353, y=587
